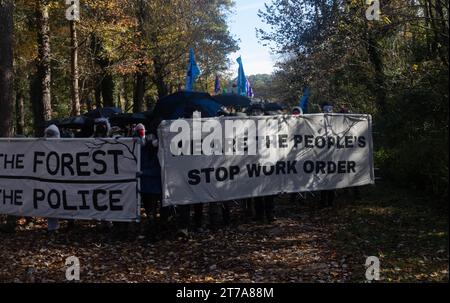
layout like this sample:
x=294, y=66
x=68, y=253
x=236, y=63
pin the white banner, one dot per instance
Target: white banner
x=91, y=179
x=202, y=163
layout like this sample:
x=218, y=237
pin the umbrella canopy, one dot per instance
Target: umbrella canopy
x=103, y=112
x=272, y=107
x=127, y=119
x=183, y=104
x=233, y=100
x=77, y=122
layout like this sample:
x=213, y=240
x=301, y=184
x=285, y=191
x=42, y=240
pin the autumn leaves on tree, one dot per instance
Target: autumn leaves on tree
x=125, y=53
x=394, y=67
x=6, y=66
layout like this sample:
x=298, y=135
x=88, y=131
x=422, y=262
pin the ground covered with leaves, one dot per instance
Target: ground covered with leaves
x=409, y=234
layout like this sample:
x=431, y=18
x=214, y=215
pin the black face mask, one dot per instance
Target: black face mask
x=51, y=134
x=100, y=131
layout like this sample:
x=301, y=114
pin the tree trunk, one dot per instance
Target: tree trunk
x=442, y=31
x=139, y=92
x=377, y=63
x=161, y=86
x=426, y=11
x=43, y=65
x=6, y=66
x=98, y=95
x=107, y=87
x=36, y=105
x=74, y=67
x=141, y=74
x=124, y=95
x=20, y=114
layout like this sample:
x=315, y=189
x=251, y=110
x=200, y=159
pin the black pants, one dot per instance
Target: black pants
x=217, y=210
x=247, y=207
x=10, y=225
x=327, y=198
x=185, y=214
x=264, y=206
x=198, y=215
x=226, y=213
x=150, y=203
x=353, y=190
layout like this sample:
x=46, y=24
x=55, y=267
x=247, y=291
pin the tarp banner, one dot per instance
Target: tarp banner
x=229, y=158
x=91, y=179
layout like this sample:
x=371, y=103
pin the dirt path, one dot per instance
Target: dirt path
x=305, y=244
x=293, y=249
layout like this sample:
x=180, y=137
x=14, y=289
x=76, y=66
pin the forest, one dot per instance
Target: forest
x=130, y=53
x=119, y=53
x=385, y=58
x=394, y=68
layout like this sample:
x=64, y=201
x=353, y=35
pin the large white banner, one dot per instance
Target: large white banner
x=92, y=179
x=221, y=159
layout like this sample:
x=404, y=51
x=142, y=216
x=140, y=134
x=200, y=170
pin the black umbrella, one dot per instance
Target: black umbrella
x=103, y=112
x=77, y=122
x=127, y=119
x=272, y=107
x=233, y=100
x=184, y=103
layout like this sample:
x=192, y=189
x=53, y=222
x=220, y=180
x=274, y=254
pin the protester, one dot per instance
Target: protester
x=297, y=111
x=184, y=211
x=219, y=212
x=52, y=132
x=354, y=190
x=226, y=213
x=327, y=196
x=11, y=221
x=151, y=189
x=343, y=109
x=267, y=208
x=10, y=224
x=327, y=108
x=102, y=128
x=264, y=206
x=198, y=217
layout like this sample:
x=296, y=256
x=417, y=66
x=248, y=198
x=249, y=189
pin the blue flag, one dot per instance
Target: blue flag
x=249, y=89
x=304, y=102
x=193, y=71
x=217, y=85
x=241, y=81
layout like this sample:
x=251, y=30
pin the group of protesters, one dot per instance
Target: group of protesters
x=261, y=209
x=191, y=217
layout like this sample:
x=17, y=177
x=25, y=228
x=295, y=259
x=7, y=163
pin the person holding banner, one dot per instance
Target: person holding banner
x=343, y=109
x=297, y=111
x=327, y=196
x=264, y=206
x=102, y=128
x=52, y=132
x=151, y=188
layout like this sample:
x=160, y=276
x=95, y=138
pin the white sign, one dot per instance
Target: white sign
x=92, y=179
x=228, y=158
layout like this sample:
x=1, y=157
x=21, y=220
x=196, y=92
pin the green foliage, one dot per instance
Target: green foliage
x=117, y=39
x=406, y=229
x=395, y=69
